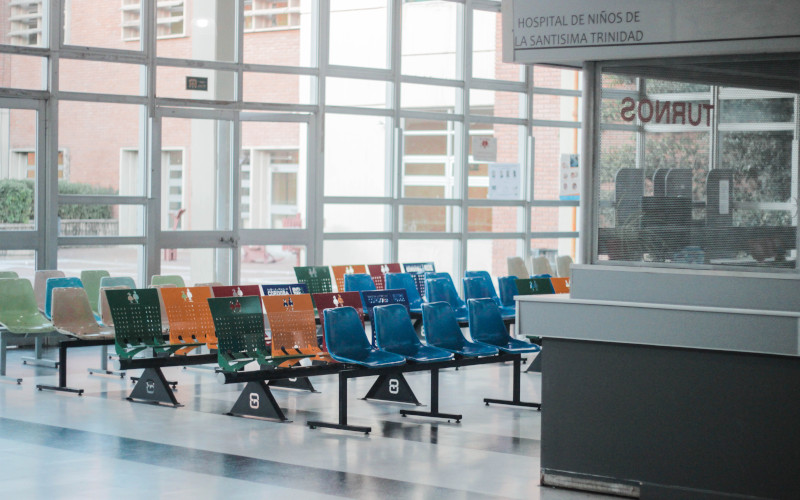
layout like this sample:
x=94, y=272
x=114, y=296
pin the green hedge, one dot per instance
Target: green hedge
x=16, y=201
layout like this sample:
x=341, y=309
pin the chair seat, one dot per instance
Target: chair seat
x=474, y=350
x=424, y=353
x=371, y=358
x=516, y=346
x=92, y=334
x=30, y=328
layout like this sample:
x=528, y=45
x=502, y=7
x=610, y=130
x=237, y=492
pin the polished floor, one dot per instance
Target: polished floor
x=99, y=445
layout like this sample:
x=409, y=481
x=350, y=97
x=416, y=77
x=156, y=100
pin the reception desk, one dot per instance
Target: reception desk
x=667, y=400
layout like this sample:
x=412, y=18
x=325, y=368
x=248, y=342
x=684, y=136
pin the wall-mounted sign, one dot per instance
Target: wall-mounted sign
x=569, y=177
x=484, y=148
x=572, y=31
x=504, y=181
x=196, y=83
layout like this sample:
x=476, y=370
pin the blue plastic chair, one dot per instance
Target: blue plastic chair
x=117, y=281
x=478, y=288
x=508, y=289
x=487, y=278
x=358, y=283
x=71, y=282
x=442, y=290
x=395, y=333
x=486, y=326
x=405, y=281
x=442, y=331
x=347, y=342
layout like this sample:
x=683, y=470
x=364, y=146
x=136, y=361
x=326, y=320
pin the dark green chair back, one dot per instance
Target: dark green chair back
x=318, y=278
x=535, y=286
x=137, y=320
x=239, y=323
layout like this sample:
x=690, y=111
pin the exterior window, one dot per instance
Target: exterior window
x=170, y=18
x=26, y=162
x=273, y=173
x=172, y=164
x=25, y=22
x=264, y=15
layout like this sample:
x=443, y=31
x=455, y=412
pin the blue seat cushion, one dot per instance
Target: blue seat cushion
x=515, y=346
x=371, y=358
x=423, y=353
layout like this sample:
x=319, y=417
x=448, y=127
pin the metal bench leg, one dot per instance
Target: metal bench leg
x=62, y=375
x=434, y=413
x=256, y=400
x=153, y=387
x=342, y=425
x=38, y=360
x=392, y=387
x=3, y=346
x=103, y=370
x=299, y=383
x=515, y=401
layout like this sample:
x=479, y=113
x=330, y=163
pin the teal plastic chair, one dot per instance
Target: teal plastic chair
x=347, y=342
x=167, y=279
x=442, y=331
x=406, y=282
x=486, y=327
x=91, y=283
x=442, y=290
x=508, y=290
x=478, y=288
x=358, y=283
x=395, y=333
x=52, y=283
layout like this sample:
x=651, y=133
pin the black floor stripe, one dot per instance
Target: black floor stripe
x=324, y=481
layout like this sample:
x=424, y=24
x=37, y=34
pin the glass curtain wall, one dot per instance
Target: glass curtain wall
x=231, y=144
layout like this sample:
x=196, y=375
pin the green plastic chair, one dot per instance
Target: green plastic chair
x=137, y=322
x=19, y=313
x=167, y=279
x=318, y=278
x=91, y=283
x=239, y=323
x=8, y=274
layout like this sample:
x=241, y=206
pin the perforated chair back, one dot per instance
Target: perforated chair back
x=560, y=285
x=407, y=283
x=535, y=286
x=564, y=266
x=8, y=274
x=137, y=320
x=189, y=317
x=109, y=281
x=236, y=291
x=442, y=290
x=72, y=314
x=358, y=283
x=419, y=267
x=517, y=267
x=164, y=318
x=91, y=282
x=318, y=278
x=508, y=289
x=340, y=271
x=291, y=289
x=378, y=271
x=18, y=310
x=105, y=311
x=442, y=330
x=293, y=326
x=167, y=279
x=52, y=283
x=239, y=324
x=540, y=265
x=40, y=284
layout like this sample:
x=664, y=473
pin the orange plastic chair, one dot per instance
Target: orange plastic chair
x=73, y=316
x=377, y=271
x=294, y=329
x=164, y=319
x=190, y=320
x=340, y=271
x=560, y=285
